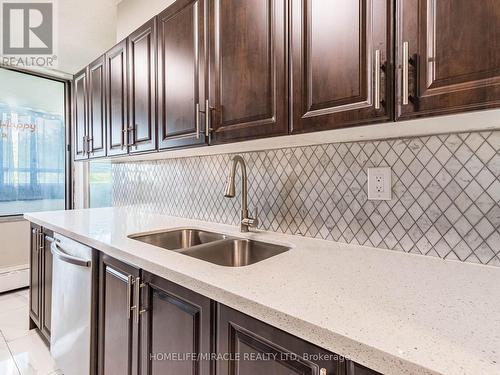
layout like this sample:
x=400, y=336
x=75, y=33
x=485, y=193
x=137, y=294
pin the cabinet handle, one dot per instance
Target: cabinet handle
x=41, y=241
x=89, y=142
x=84, y=146
x=207, y=118
x=36, y=239
x=124, y=141
x=406, y=59
x=138, y=311
x=130, y=282
x=376, y=95
x=197, y=120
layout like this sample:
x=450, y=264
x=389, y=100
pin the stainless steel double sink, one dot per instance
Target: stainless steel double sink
x=212, y=247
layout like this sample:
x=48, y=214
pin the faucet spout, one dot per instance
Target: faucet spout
x=229, y=192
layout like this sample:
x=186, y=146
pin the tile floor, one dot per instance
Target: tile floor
x=22, y=352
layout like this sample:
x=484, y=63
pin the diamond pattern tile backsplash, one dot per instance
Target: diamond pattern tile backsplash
x=446, y=193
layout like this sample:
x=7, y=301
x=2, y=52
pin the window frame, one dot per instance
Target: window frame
x=68, y=195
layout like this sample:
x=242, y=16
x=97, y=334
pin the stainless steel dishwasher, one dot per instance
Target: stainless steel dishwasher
x=71, y=340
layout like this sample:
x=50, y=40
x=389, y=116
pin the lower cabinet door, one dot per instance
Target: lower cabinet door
x=357, y=369
x=175, y=329
x=258, y=348
x=35, y=276
x=117, y=329
x=46, y=295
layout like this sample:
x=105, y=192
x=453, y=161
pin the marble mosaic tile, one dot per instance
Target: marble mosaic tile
x=446, y=193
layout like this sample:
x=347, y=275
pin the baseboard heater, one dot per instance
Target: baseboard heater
x=14, y=277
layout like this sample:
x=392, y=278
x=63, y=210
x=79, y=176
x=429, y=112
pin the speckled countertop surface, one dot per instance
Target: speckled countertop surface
x=393, y=312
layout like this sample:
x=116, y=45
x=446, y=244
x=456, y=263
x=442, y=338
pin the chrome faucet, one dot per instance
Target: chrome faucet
x=229, y=192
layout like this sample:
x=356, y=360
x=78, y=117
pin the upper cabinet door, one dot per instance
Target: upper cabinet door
x=116, y=99
x=80, y=114
x=181, y=62
x=97, y=113
x=142, y=47
x=248, y=69
x=448, y=56
x=340, y=63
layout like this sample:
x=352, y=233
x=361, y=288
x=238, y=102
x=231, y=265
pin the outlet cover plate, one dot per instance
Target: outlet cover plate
x=380, y=183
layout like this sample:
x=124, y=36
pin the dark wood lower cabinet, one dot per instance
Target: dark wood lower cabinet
x=35, y=276
x=40, y=281
x=263, y=349
x=117, y=331
x=46, y=284
x=175, y=329
x=150, y=326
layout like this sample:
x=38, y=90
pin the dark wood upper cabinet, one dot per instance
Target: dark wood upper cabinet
x=243, y=336
x=116, y=99
x=248, y=69
x=174, y=320
x=142, y=88
x=117, y=333
x=97, y=112
x=80, y=115
x=448, y=51
x=340, y=63
x=181, y=74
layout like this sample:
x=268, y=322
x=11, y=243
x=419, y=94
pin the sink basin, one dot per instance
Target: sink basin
x=235, y=252
x=178, y=239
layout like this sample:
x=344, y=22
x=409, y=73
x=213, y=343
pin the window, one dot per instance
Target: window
x=100, y=183
x=32, y=143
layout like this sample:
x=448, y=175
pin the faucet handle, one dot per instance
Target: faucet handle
x=251, y=221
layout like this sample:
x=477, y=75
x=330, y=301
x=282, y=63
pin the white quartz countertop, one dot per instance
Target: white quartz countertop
x=393, y=312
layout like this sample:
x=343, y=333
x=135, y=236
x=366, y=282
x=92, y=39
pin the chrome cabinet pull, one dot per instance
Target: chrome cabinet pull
x=36, y=239
x=406, y=59
x=376, y=94
x=90, y=141
x=84, y=146
x=41, y=241
x=197, y=120
x=124, y=141
x=130, y=282
x=138, y=311
x=207, y=118
x=59, y=253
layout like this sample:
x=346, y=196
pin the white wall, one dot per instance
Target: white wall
x=133, y=13
x=85, y=29
x=14, y=247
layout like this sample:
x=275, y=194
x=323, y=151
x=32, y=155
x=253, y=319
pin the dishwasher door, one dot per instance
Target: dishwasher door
x=70, y=339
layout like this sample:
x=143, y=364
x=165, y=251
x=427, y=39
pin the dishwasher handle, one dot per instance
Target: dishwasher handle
x=59, y=253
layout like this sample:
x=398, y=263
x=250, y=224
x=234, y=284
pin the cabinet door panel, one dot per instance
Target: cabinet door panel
x=80, y=114
x=454, y=56
x=35, y=277
x=334, y=71
x=181, y=62
x=117, y=333
x=263, y=349
x=46, y=284
x=185, y=315
x=116, y=99
x=248, y=69
x=142, y=91
x=97, y=113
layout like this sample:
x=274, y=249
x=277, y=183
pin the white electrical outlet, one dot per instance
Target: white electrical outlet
x=379, y=183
